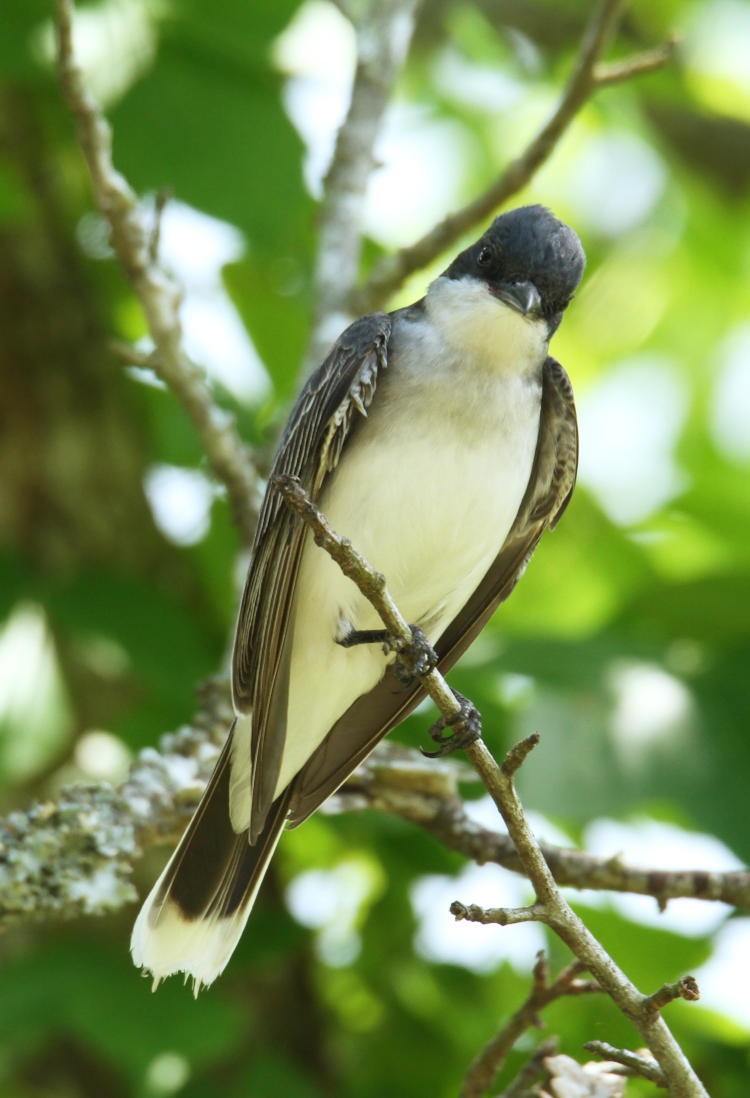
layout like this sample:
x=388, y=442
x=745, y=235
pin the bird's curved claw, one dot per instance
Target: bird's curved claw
x=466, y=728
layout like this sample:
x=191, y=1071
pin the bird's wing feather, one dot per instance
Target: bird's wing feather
x=547, y=495
x=310, y=449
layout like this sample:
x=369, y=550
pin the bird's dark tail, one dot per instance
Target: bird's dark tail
x=195, y=913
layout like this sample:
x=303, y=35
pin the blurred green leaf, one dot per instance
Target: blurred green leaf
x=207, y=122
x=268, y=296
x=22, y=21
x=88, y=990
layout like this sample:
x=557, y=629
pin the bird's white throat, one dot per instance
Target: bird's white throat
x=469, y=318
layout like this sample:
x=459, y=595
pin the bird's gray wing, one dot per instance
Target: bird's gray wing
x=340, y=389
x=547, y=495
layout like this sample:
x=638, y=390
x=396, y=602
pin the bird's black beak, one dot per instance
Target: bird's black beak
x=522, y=296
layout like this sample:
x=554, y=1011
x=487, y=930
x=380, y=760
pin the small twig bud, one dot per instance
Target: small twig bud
x=686, y=988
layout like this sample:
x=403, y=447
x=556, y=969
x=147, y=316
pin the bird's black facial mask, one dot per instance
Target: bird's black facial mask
x=529, y=259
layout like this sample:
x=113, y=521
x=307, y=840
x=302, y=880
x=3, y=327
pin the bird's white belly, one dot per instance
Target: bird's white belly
x=429, y=501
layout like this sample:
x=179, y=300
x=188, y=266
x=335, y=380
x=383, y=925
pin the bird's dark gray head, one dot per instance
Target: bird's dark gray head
x=529, y=259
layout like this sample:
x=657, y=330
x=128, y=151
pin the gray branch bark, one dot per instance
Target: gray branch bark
x=485, y=1066
x=74, y=855
x=57, y=856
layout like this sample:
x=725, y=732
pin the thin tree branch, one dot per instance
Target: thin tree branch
x=410, y=789
x=503, y=916
x=587, y=77
x=383, y=38
x=485, y=1067
x=636, y=1063
x=498, y=781
x=531, y=1070
x=561, y=918
x=685, y=988
x=639, y=63
x=132, y=239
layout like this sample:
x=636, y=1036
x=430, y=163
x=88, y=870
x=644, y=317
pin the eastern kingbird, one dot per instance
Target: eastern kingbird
x=441, y=439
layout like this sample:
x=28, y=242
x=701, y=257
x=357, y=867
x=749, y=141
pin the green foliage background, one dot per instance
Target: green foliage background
x=131, y=622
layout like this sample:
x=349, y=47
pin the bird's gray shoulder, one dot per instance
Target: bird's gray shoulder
x=410, y=314
x=409, y=320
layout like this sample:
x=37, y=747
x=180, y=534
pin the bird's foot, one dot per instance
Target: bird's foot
x=466, y=728
x=412, y=660
x=364, y=636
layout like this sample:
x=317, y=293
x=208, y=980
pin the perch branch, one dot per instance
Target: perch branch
x=498, y=781
x=134, y=244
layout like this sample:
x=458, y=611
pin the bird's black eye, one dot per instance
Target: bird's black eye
x=484, y=256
